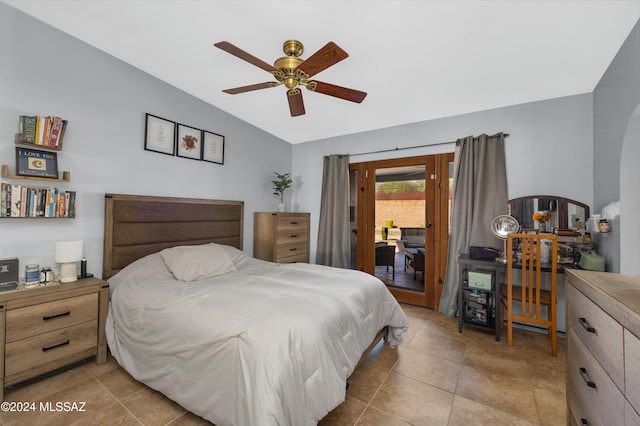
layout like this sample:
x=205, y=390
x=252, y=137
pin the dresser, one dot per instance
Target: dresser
x=45, y=328
x=603, y=348
x=281, y=237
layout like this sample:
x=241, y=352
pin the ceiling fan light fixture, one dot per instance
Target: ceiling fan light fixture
x=292, y=48
x=293, y=72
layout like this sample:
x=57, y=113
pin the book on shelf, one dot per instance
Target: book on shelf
x=28, y=128
x=47, y=131
x=22, y=201
x=3, y=199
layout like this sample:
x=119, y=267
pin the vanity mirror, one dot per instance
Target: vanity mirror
x=565, y=213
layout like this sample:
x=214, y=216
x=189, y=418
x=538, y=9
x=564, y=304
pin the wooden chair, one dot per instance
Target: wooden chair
x=529, y=295
x=386, y=256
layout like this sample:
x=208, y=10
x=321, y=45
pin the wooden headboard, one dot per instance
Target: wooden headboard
x=137, y=225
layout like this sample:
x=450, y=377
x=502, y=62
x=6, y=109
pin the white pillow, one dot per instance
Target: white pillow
x=192, y=263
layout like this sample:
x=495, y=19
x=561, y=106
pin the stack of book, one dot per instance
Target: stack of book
x=47, y=132
x=22, y=201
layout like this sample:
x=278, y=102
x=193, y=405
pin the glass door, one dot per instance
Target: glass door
x=401, y=224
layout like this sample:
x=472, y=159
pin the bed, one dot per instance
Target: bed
x=234, y=339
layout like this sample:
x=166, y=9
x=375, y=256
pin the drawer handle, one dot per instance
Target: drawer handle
x=48, y=348
x=293, y=236
x=585, y=325
x=293, y=223
x=293, y=249
x=584, y=422
x=48, y=317
x=583, y=374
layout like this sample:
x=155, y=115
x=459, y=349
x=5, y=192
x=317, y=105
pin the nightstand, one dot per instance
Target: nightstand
x=48, y=327
x=281, y=237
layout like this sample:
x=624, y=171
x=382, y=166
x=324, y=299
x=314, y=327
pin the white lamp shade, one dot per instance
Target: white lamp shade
x=68, y=251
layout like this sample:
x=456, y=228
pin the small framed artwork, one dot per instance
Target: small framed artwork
x=31, y=162
x=159, y=135
x=189, y=142
x=213, y=148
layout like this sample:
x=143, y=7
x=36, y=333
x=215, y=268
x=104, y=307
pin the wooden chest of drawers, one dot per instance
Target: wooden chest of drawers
x=44, y=328
x=603, y=349
x=281, y=237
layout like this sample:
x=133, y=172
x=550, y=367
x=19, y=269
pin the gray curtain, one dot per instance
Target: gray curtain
x=333, y=232
x=479, y=195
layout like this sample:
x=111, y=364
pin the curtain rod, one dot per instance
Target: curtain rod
x=408, y=147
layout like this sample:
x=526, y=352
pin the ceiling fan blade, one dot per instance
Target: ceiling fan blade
x=251, y=87
x=337, y=91
x=327, y=56
x=245, y=56
x=296, y=104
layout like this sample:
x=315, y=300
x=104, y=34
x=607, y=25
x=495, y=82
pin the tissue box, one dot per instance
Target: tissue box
x=480, y=280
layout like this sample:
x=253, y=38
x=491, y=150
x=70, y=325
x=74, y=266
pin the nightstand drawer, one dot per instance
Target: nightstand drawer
x=45, y=317
x=51, y=347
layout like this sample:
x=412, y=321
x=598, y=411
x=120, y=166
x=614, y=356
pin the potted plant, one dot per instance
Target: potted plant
x=283, y=182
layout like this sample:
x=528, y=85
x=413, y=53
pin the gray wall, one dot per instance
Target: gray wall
x=549, y=150
x=616, y=155
x=47, y=72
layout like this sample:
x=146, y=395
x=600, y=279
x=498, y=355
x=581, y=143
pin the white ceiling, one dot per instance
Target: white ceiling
x=417, y=60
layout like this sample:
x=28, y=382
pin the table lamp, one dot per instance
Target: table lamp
x=68, y=253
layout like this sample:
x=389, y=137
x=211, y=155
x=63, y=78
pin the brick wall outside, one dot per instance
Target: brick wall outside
x=404, y=213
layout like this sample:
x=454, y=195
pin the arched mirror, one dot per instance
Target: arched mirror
x=562, y=213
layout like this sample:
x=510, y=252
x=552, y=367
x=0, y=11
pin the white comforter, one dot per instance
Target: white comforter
x=265, y=345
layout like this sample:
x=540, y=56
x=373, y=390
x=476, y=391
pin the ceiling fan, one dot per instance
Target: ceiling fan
x=293, y=72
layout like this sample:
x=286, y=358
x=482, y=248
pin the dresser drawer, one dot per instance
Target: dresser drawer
x=599, y=332
x=46, y=317
x=291, y=249
x=292, y=235
x=600, y=404
x=50, y=347
x=631, y=418
x=632, y=369
x=298, y=258
x=292, y=222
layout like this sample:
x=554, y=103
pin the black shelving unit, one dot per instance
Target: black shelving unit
x=479, y=308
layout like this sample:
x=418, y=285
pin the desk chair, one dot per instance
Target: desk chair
x=386, y=256
x=529, y=295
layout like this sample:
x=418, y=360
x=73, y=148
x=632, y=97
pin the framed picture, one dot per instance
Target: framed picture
x=159, y=135
x=213, y=148
x=189, y=142
x=31, y=162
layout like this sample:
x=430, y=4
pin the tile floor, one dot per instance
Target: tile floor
x=436, y=377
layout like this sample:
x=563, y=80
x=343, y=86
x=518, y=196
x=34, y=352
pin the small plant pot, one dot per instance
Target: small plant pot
x=282, y=207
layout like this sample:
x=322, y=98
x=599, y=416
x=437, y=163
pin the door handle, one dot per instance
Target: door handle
x=428, y=225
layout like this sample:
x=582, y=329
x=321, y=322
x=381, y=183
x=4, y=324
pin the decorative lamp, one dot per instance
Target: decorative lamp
x=501, y=227
x=68, y=253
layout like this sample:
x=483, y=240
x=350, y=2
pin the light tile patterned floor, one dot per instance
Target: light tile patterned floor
x=436, y=377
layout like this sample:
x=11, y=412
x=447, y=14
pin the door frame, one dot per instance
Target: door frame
x=436, y=214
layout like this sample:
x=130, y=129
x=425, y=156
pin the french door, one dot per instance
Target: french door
x=421, y=183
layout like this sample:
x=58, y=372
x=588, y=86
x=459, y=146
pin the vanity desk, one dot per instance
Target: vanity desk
x=491, y=297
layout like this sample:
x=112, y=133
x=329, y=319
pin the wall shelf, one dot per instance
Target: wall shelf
x=37, y=146
x=66, y=176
